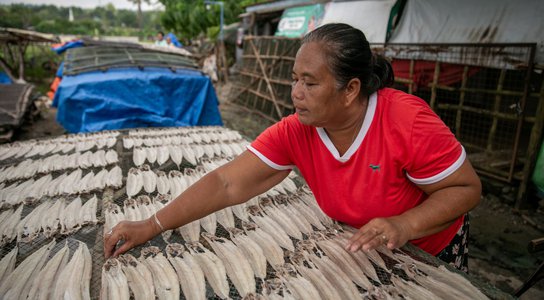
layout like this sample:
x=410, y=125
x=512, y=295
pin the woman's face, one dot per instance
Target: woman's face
x=315, y=96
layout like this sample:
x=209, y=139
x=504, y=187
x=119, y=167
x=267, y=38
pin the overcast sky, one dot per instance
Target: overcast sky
x=119, y=4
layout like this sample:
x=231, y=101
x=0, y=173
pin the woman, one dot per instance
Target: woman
x=375, y=158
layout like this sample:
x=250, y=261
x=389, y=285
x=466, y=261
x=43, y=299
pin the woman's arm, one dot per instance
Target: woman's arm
x=235, y=182
x=448, y=199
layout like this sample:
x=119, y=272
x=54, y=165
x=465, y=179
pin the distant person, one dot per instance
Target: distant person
x=160, y=41
x=169, y=43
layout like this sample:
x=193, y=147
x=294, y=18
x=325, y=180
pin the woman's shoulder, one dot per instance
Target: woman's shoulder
x=399, y=99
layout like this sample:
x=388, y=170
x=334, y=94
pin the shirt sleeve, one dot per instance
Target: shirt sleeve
x=435, y=152
x=271, y=146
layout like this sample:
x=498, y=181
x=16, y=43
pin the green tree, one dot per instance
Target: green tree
x=139, y=4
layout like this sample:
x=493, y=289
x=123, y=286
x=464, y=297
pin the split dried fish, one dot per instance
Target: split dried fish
x=213, y=268
x=190, y=274
x=225, y=217
x=135, y=182
x=75, y=279
x=9, y=226
x=190, y=232
x=251, y=250
x=7, y=264
x=271, y=249
x=164, y=276
x=345, y=261
x=114, y=282
x=149, y=179
x=17, y=284
x=139, y=278
x=139, y=156
x=48, y=276
x=337, y=277
x=275, y=230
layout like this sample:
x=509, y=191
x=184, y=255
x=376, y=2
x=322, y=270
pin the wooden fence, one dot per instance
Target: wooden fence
x=492, y=100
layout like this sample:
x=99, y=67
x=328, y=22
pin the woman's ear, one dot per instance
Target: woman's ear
x=352, y=90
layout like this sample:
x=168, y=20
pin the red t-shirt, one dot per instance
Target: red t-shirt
x=401, y=142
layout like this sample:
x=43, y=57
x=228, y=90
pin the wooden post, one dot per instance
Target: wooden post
x=535, y=142
x=496, y=108
x=434, y=85
x=461, y=103
x=411, y=84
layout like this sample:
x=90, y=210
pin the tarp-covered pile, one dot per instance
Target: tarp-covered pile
x=125, y=87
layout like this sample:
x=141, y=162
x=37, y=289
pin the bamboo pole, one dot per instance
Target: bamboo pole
x=268, y=84
x=461, y=103
x=496, y=109
x=434, y=85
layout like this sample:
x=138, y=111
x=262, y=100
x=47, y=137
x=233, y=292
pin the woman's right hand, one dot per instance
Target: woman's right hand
x=131, y=233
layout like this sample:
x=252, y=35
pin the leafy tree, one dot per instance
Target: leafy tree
x=139, y=3
x=191, y=18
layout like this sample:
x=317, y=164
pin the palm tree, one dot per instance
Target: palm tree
x=139, y=3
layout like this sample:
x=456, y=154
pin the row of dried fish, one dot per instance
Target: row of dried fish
x=154, y=131
x=58, y=145
x=175, y=182
x=192, y=154
x=49, y=218
x=68, y=183
x=29, y=168
x=38, y=277
x=186, y=138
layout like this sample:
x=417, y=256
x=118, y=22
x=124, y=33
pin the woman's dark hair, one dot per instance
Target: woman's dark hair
x=349, y=56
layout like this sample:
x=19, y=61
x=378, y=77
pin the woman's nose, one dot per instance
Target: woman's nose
x=296, y=91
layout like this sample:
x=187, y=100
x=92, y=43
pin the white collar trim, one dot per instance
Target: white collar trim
x=369, y=116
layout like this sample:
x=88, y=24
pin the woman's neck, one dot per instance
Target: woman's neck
x=344, y=135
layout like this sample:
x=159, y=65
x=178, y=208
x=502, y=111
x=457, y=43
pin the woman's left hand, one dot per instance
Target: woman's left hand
x=391, y=232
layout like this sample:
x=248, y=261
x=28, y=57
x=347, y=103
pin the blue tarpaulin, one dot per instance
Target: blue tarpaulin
x=68, y=45
x=4, y=78
x=129, y=98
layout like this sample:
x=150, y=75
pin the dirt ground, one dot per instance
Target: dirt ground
x=499, y=234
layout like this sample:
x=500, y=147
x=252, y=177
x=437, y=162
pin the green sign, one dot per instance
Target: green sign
x=297, y=21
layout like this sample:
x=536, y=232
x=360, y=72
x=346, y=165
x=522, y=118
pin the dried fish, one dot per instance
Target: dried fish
x=209, y=223
x=47, y=278
x=149, y=179
x=151, y=154
x=225, y=217
x=272, y=228
x=7, y=264
x=163, y=184
x=139, y=156
x=17, y=284
x=346, y=262
x=190, y=232
x=271, y=249
x=326, y=289
x=251, y=250
x=175, y=154
x=70, y=222
x=361, y=258
x=337, y=277
x=190, y=274
x=135, y=182
x=213, y=268
x=9, y=226
x=302, y=288
x=139, y=278
x=114, y=282
x=87, y=214
x=164, y=276
x=284, y=221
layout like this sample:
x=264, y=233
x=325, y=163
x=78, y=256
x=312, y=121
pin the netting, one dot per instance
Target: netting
x=307, y=247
